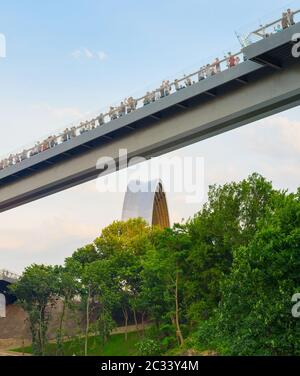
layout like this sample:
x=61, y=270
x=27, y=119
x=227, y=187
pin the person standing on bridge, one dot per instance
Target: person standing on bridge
x=188, y=81
x=177, y=85
x=162, y=89
x=122, y=109
x=208, y=71
x=152, y=96
x=82, y=128
x=231, y=61
x=23, y=155
x=167, y=87
x=72, y=132
x=285, y=21
x=201, y=74
x=147, y=98
x=217, y=65
x=5, y=163
x=290, y=17
x=277, y=28
x=131, y=104
x=45, y=145
x=92, y=124
x=65, y=136
x=112, y=113
x=35, y=149
x=100, y=119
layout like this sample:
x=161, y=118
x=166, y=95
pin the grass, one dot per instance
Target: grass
x=116, y=346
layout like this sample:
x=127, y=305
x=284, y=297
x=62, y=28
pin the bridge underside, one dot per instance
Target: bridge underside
x=4, y=289
x=264, y=85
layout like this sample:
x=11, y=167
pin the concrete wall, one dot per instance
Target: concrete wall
x=16, y=326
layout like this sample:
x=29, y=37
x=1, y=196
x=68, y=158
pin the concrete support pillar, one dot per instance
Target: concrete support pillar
x=2, y=306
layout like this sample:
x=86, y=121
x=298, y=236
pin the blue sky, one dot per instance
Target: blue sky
x=68, y=58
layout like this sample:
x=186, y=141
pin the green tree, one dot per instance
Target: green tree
x=255, y=317
x=98, y=275
x=67, y=288
x=78, y=267
x=36, y=291
x=125, y=244
x=227, y=221
x=164, y=276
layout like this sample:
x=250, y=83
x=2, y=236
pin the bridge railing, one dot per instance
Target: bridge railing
x=74, y=129
x=7, y=275
x=130, y=104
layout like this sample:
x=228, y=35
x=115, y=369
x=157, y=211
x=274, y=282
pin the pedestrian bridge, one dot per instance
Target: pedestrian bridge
x=263, y=85
x=6, y=279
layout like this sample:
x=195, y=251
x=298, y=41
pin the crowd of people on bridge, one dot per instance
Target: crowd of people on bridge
x=130, y=104
x=126, y=107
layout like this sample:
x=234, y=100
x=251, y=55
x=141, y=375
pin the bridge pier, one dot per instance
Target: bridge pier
x=2, y=306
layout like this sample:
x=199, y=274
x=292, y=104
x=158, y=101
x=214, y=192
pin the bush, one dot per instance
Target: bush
x=149, y=347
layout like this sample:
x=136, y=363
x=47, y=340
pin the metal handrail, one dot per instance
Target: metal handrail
x=57, y=139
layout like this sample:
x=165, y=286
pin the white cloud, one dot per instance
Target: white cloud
x=289, y=132
x=102, y=55
x=88, y=54
x=277, y=135
x=76, y=54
